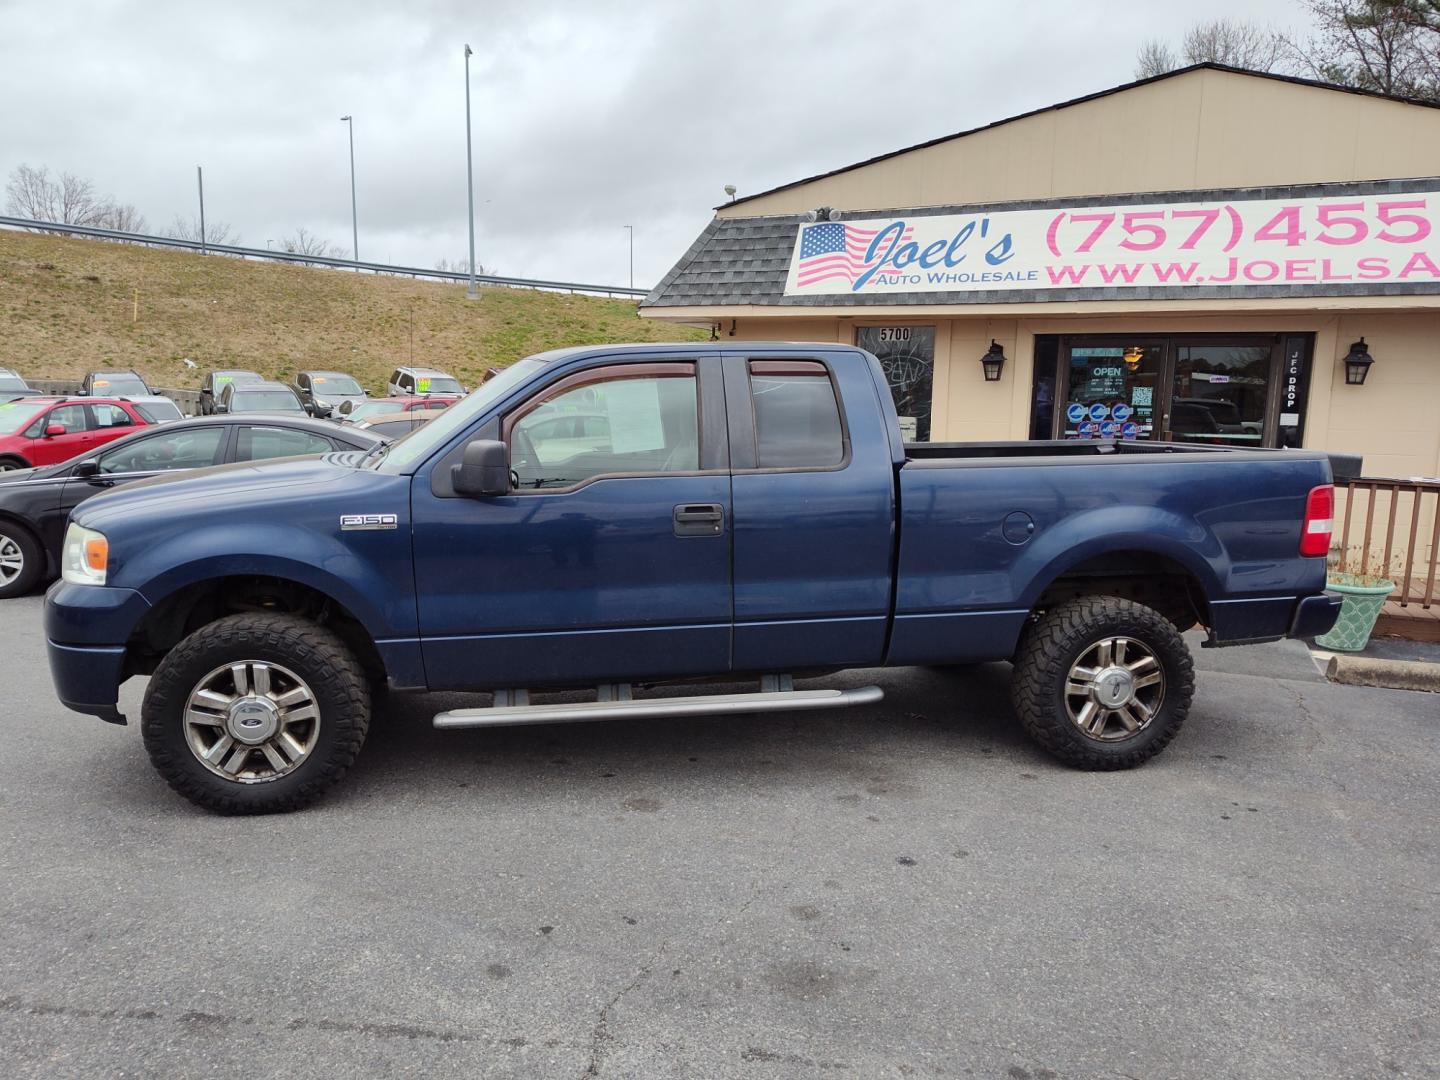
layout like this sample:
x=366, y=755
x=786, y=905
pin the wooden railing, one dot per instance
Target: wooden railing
x=1391, y=528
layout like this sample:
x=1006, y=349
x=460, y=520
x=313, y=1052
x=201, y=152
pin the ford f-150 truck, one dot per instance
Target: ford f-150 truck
x=633, y=518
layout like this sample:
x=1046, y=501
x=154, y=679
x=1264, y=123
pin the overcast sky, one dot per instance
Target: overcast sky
x=588, y=116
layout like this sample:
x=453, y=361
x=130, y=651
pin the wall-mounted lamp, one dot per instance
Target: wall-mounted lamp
x=1357, y=364
x=993, y=361
x=715, y=331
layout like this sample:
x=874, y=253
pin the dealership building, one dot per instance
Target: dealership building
x=1213, y=256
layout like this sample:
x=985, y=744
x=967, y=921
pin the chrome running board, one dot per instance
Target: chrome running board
x=619, y=707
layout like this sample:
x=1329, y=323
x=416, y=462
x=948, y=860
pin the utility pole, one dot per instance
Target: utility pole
x=471, y=292
x=200, y=180
x=631, y=230
x=354, y=220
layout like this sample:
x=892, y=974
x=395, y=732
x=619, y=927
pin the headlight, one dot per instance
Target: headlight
x=86, y=557
x=320, y=403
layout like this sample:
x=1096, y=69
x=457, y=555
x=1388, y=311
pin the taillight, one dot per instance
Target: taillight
x=1319, y=521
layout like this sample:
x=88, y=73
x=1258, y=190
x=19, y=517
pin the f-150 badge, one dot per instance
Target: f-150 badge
x=354, y=522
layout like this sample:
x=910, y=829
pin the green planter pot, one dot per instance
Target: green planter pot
x=1360, y=608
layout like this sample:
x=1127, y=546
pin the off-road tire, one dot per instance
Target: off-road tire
x=312, y=652
x=1052, y=645
x=32, y=569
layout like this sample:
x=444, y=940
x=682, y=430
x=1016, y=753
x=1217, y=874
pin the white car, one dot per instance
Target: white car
x=418, y=381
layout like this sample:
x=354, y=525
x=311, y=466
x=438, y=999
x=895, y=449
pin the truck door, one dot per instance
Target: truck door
x=813, y=486
x=611, y=559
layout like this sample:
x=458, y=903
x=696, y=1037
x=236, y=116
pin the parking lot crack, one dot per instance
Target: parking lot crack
x=600, y=1035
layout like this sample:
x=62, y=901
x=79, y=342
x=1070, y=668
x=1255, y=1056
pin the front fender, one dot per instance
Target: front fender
x=369, y=573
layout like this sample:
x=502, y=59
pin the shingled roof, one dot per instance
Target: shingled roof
x=746, y=260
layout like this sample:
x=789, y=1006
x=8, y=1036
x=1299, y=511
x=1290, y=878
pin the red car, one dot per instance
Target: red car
x=46, y=430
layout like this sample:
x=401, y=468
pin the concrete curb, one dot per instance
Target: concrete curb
x=1391, y=674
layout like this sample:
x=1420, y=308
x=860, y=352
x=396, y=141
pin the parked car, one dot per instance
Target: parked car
x=323, y=392
x=35, y=504
x=352, y=411
x=396, y=425
x=157, y=410
x=755, y=515
x=216, y=381
x=114, y=384
x=45, y=430
x=13, y=387
x=410, y=381
x=262, y=397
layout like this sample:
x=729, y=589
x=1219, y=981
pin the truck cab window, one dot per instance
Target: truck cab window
x=638, y=422
x=797, y=419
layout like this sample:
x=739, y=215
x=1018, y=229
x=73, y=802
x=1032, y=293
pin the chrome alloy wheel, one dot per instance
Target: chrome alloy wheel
x=12, y=560
x=252, y=721
x=1115, y=689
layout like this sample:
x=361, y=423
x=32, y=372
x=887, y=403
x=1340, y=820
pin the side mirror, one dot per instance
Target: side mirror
x=484, y=471
x=86, y=469
x=53, y=430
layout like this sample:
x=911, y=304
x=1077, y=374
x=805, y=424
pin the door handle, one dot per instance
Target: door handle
x=699, y=519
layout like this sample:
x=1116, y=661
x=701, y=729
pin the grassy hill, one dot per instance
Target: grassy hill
x=67, y=306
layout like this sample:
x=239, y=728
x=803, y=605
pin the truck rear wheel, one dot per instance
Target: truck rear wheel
x=1103, y=683
x=256, y=713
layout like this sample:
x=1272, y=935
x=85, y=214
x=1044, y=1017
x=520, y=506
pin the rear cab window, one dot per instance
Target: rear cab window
x=797, y=415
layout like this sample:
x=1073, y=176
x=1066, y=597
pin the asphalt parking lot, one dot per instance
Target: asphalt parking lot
x=909, y=890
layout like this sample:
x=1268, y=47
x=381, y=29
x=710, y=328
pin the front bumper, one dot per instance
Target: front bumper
x=86, y=627
x=1315, y=615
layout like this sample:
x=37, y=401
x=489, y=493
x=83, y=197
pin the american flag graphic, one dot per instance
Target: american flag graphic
x=837, y=250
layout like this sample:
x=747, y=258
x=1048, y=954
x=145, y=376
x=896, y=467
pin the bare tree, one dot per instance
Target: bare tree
x=1383, y=45
x=67, y=199
x=304, y=242
x=462, y=266
x=1235, y=43
x=216, y=232
x=1232, y=42
x=122, y=217
x=1155, y=58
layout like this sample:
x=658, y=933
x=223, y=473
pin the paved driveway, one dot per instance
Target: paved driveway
x=903, y=891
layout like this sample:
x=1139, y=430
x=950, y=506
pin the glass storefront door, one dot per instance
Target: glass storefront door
x=907, y=356
x=1219, y=390
x=1113, y=390
x=1219, y=393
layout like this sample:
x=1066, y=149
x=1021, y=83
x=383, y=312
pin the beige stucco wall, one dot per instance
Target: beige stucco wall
x=1204, y=129
x=1394, y=419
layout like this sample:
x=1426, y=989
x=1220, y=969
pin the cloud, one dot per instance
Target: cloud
x=586, y=117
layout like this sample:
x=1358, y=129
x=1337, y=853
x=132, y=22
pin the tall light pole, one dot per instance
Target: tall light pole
x=200, y=183
x=349, y=121
x=471, y=292
x=631, y=230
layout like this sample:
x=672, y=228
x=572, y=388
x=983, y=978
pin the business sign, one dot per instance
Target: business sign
x=1337, y=240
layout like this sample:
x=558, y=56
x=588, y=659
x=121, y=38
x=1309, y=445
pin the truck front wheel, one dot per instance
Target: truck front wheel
x=1103, y=683
x=256, y=713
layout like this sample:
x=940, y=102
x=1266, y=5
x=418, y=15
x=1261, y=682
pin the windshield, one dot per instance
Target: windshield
x=332, y=384
x=425, y=440
x=11, y=382
x=159, y=412
x=110, y=385
x=15, y=415
x=371, y=408
x=437, y=384
x=264, y=401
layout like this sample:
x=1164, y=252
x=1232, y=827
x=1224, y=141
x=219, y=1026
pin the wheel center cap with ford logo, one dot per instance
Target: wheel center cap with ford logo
x=253, y=720
x=1114, y=687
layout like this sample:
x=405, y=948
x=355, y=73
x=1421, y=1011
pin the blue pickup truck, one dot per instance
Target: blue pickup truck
x=639, y=518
